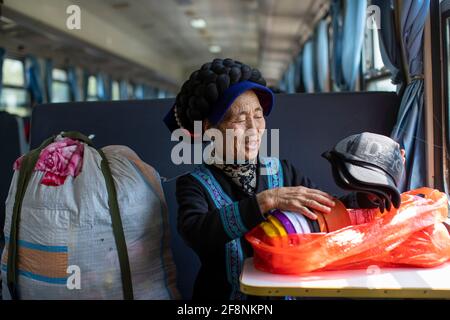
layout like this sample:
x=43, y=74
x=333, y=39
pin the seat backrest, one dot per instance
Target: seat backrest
x=9, y=151
x=309, y=124
x=313, y=123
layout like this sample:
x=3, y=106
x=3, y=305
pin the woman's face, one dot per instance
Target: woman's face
x=245, y=120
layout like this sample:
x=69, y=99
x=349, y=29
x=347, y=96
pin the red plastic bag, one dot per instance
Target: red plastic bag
x=412, y=236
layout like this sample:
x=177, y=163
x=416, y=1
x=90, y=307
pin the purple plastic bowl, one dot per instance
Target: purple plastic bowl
x=287, y=224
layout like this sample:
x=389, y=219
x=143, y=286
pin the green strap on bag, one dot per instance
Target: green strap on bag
x=26, y=169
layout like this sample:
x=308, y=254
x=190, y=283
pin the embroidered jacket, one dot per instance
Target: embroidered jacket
x=214, y=214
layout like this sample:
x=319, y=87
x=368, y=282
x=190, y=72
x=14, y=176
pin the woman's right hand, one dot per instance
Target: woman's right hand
x=296, y=199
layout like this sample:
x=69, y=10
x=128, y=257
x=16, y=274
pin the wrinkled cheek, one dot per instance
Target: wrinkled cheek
x=261, y=125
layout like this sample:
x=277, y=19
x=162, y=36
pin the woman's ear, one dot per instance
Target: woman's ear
x=403, y=152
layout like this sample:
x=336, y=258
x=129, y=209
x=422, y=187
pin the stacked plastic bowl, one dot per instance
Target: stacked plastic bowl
x=282, y=223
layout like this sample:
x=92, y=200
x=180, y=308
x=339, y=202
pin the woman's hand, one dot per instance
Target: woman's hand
x=296, y=199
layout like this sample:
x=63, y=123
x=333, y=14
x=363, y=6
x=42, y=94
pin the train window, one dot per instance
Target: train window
x=92, y=89
x=13, y=73
x=380, y=84
x=14, y=97
x=60, y=86
x=376, y=75
x=115, y=90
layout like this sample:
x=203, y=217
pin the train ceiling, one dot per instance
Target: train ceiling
x=166, y=40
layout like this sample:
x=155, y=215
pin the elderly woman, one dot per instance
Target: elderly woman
x=220, y=202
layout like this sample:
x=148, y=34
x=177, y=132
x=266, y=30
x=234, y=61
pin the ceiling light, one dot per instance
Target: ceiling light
x=198, y=23
x=215, y=49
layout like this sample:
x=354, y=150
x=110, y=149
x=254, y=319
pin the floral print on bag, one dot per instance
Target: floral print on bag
x=58, y=160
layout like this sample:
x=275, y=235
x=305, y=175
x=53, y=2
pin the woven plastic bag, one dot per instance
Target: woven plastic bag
x=66, y=232
x=412, y=235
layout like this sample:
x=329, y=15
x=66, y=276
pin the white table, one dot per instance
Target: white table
x=374, y=282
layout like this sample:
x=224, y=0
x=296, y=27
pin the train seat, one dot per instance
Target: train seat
x=12, y=138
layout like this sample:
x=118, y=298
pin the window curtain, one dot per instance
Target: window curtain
x=104, y=87
x=147, y=91
x=352, y=40
x=72, y=77
x=48, y=79
x=290, y=78
x=86, y=75
x=139, y=92
x=153, y=93
x=337, y=25
x=321, y=55
x=298, y=73
x=33, y=79
x=2, y=58
x=101, y=87
x=123, y=90
x=282, y=84
x=108, y=87
x=409, y=129
x=308, y=66
x=389, y=43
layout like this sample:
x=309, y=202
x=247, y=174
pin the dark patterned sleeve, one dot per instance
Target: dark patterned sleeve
x=206, y=230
